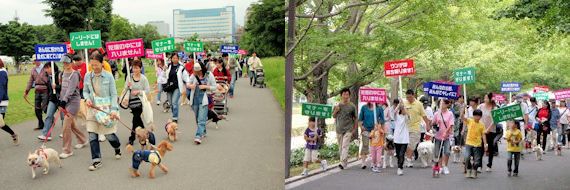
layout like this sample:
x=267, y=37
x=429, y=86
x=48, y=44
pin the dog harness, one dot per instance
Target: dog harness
x=151, y=156
x=166, y=126
x=42, y=155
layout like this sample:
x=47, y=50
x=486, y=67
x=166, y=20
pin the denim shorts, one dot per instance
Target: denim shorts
x=445, y=150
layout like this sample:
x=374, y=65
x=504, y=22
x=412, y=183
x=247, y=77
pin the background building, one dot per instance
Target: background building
x=162, y=27
x=215, y=25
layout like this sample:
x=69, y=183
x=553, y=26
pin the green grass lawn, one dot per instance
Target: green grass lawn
x=19, y=111
x=274, y=68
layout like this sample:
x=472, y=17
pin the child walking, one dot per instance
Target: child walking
x=312, y=133
x=401, y=136
x=376, y=143
x=514, y=147
x=473, y=143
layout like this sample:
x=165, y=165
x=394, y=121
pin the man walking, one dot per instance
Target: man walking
x=39, y=81
x=345, y=115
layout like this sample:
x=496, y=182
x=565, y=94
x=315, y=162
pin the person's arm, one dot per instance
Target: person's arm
x=335, y=111
x=113, y=90
x=484, y=140
x=191, y=84
x=72, y=86
x=87, y=94
x=451, y=126
x=30, y=82
x=211, y=83
x=146, y=86
x=380, y=115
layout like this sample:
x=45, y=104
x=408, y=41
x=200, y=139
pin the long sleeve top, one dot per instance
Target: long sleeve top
x=105, y=87
x=3, y=84
x=211, y=82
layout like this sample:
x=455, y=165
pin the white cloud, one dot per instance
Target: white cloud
x=137, y=11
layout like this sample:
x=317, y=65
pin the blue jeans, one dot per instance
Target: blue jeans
x=477, y=157
x=159, y=92
x=51, y=109
x=174, y=99
x=94, y=143
x=562, y=133
x=201, y=113
x=233, y=83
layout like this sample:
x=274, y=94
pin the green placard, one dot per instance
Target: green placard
x=193, y=47
x=540, y=95
x=85, y=40
x=507, y=113
x=163, y=45
x=317, y=110
x=464, y=75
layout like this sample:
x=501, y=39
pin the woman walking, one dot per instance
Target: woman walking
x=160, y=78
x=490, y=128
x=543, y=119
x=69, y=100
x=137, y=83
x=200, y=83
x=100, y=92
x=174, y=84
x=4, y=102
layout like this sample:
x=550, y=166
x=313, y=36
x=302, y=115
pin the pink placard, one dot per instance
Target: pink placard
x=242, y=52
x=499, y=97
x=150, y=54
x=373, y=95
x=125, y=48
x=399, y=68
x=562, y=94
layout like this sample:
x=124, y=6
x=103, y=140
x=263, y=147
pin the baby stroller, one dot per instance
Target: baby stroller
x=259, y=78
x=220, y=98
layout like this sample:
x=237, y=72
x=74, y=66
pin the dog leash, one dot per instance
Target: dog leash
x=99, y=109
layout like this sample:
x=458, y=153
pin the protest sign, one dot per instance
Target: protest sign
x=50, y=52
x=85, y=40
x=125, y=49
x=442, y=90
x=316, y=110
x=163, y=45
x=507, y=113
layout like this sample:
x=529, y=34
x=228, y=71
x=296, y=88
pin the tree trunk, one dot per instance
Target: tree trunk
x=320, y=96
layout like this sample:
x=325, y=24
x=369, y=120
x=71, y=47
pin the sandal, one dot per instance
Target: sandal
x=15, y=139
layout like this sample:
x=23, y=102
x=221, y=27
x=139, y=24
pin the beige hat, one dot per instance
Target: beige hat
x=34, y=57
x=197, y=67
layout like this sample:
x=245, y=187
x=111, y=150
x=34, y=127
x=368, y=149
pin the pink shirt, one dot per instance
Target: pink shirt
x=449, y=121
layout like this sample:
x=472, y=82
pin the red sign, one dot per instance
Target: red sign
x=399, y=68
x=69, y=49
x=373, y=95
x=125, y=48
x=562, y=94
x=150, y=54
x=242, y=52
x=541, y=89
x=499, y=97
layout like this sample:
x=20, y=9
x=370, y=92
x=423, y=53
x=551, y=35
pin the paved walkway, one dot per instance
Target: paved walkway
x=244, y=153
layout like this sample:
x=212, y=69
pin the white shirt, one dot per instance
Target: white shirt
x=401, y=133
x=532, y=111
x=564, y=113
x=429, y=115
x=254, y=62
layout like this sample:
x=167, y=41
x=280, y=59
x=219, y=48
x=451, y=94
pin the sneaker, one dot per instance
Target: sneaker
x=60, y=135
x=102, y=138
x=445, y=170
x=509, y=174
x=117, y=154
x=468, y=174
x=488, y=169
x=472, y=173
x=15, y=139
x=158, y=103
x=515, y=174
x=479, y=170
x=64, y=155
x=341, y=167
x=80, y=146
x=400, y=171
x=362, y=166
x=324, y=165
x=305, y=172
x=95, y=165
x=197, y=141
x=43, y=138
x=375, y=169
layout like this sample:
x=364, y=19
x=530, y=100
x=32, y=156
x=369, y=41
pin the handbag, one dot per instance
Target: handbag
x=147, y=110
x=171, y=84
x=102, y=117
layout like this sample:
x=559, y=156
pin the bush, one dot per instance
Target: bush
x=327, y=152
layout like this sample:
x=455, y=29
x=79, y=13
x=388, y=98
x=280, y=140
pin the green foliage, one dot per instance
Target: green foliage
x=101, y=14
x=274, y=68
x=49, y=34
x=120, y=29
x=265, y=29
x=550, y=16
x=147, y=32
x=80, y=15
x=327, y=152
x=17, y=40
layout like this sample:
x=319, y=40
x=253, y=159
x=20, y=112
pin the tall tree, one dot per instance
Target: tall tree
x=81, y=15
x=121, y=29
x=17, y=40
x=265, y=29
x=49, y=33
x=101, y=14
x=147, y=32
x=550, y=15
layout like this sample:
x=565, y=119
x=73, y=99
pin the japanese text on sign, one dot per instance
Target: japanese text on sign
x=150, y=54
x=194, y=46
x=316, y=110
x=507, y=113
x=50, y=52
x=163, y=45
x=562, y=94
x=442, y=90
x=125, y=49
x=374, y=95
x=399, y=68
x=229, y=49
x=85, y=40
x=510, y=87
x=464, y=76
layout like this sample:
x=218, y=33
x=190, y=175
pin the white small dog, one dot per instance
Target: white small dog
x=41, y=158
x=538, y=152
x=425, y=152
x=456, y=151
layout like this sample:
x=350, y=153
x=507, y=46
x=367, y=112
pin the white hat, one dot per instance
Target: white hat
x=197, y=67
x=34, y=57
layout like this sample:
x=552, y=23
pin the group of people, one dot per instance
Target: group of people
x=398, y=128
x=88, y=97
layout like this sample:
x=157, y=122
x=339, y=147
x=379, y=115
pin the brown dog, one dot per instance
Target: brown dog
x=171, y=128
x=154, y=157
